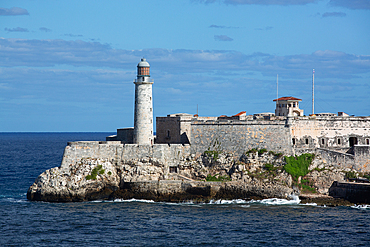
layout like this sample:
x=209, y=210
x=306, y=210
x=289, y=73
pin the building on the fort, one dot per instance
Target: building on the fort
x=341, y=137
x=288, y=106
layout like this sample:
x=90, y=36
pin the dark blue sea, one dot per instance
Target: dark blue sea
x=23, y=156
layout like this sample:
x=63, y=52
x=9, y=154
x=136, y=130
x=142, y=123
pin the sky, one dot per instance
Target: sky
x=69, y=66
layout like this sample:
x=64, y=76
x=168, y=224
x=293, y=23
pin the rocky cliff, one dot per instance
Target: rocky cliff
x=212, y=175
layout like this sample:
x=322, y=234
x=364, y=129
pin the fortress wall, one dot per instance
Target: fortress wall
x=169, y=154
x=337, y=159
x=325, y=131
x=114, y=151
x=75, y=151
x=362, y=156
x=238, y=137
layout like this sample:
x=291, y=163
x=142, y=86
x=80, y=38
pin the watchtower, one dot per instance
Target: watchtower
x=143, y=117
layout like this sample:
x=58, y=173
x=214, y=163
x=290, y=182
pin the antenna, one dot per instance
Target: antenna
x=313, y=92
x=277, y=93
x=197, y=109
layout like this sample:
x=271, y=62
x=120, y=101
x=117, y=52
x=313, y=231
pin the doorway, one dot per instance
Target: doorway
x=352, y=141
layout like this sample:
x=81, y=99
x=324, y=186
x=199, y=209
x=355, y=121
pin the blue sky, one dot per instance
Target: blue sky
x=70, y=65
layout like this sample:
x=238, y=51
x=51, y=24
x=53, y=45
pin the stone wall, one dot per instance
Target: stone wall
x=115, y=151
x=337, y=159
x=329, y=132
x=238, y=137
x=353, y=192
x=362, y=157
x=75, y=151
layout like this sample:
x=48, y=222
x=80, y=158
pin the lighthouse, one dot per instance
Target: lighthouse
x=143, y=116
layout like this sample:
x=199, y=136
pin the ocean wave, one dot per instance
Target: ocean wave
x=361, y=206
x=234, y=201
x=14, y=200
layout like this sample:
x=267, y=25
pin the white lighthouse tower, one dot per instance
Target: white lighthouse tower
x=143, y=118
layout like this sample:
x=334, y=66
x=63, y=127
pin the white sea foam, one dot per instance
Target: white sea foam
x=310, y=204
x=235, y=201
x=277, y=201
x=134, y=200
x=14, y=200
x=361, y=206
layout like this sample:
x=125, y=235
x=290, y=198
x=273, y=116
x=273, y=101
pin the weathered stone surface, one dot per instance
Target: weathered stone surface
x=62, y=184
x=253, y=175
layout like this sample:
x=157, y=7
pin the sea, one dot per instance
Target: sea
x=239, y=222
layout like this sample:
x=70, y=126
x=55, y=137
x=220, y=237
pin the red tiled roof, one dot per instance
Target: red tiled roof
x=240, y=113
x=287, y=98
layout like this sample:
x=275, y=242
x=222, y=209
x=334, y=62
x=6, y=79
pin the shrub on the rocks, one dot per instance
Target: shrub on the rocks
x=219, y=178
x=351, y=174
x=298, y=165
x=98, y=169
x=213, y=154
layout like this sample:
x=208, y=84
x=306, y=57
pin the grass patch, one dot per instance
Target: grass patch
x=319, y=170
x=307, y=186
x=253, y=150
x=351, y=174
x=217, y=178
x=262, y=151
x=298, y=165
x=97, y=170
x=213, y=154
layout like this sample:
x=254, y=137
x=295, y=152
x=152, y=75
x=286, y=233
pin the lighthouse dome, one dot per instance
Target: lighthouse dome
x=143, y=63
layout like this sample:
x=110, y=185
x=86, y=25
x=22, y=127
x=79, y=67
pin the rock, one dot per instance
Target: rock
x=70, y=184
x=148, y=178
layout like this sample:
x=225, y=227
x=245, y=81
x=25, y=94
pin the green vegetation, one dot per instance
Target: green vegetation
x=319, y=170
x=217, y=178
x=307, y=186
x=253, y=150
x=214, y=149
x=97, y=170
x=109, y=173
x=262, y=151
x=298, y=165
x=212, y=154
x=351, y=174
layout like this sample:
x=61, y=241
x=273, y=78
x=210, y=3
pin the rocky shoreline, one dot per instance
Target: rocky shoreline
x=255, y=175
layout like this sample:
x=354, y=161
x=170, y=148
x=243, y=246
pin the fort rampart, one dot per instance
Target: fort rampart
x=238, y=137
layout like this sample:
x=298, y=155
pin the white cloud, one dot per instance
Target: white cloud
x=44, y=29
x=16, y=29
x=261, y=2
x=13, y=11
x=351, y=4
x=49, y=53
x=223, y=38
x=334, y=14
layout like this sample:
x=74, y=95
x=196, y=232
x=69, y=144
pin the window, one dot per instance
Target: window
x=173, y=169
x=367, y=142
x=293, y=140
x=293, y=104
x=289, y=105
x=168, y=134
x=306, y=140
x=338, y=141
x=323, y=141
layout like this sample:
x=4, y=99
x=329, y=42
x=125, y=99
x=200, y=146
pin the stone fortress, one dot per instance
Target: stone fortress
x=174, y=164
x=342, y=139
